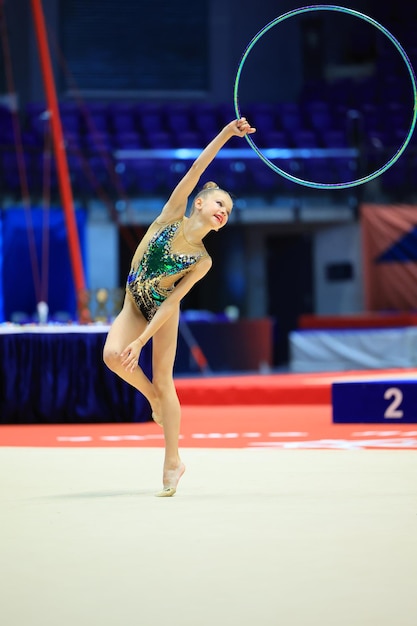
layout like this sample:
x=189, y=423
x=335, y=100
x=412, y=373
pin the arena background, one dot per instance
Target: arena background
x=297, y=356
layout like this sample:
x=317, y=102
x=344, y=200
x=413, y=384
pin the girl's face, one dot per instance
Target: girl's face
x=216, y=206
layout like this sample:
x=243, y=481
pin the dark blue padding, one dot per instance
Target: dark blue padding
x=375, y=402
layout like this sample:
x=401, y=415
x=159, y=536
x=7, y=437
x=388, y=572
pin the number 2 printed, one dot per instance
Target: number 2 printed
x=393, y=410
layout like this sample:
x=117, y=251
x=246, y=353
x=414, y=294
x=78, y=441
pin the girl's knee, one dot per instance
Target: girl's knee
x=163, y=385
x=111, y=357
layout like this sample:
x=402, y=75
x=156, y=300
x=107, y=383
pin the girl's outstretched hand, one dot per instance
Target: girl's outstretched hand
x=241, y=127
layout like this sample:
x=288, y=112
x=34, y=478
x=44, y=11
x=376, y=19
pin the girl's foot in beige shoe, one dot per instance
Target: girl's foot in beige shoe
x=157, y=419
x=171, y=480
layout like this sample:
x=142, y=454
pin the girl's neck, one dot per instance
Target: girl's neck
x=194, y=231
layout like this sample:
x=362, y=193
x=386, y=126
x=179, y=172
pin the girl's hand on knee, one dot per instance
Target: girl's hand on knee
x=130, y=355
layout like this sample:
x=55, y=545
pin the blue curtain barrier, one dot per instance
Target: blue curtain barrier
x=59, y=377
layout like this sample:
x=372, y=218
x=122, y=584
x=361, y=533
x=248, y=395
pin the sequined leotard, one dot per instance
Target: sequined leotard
x=162, y=258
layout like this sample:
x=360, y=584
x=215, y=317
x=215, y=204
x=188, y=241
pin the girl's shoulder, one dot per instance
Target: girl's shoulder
x=161, y=222
x=159, y=225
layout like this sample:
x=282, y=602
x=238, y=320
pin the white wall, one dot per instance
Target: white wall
x=338, y=244
x=102, y=255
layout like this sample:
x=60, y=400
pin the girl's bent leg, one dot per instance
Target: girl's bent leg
x=127, y=326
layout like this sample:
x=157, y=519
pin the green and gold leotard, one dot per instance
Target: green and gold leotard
x=162, y=258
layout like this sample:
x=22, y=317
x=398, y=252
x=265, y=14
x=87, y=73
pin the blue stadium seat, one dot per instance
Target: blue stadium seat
x=205, y=118
x=304, y=139
x=263, y=116
x=97, y=142
x=272, y=139
x=334, y=139
x=290, y=116
x=159, y=140
x=71, y=121
x=122, y=118
x=141, y=176
x=178, y=118
x=189, y=139
x=96, y=118
x=264, y=179
x=149, y=117
x=319, y=115
x=128, y=140
x=319, y=170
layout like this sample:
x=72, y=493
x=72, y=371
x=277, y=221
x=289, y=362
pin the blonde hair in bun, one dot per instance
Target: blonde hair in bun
x=209, y=186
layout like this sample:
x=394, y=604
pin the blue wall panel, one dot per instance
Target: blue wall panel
x=44, y=275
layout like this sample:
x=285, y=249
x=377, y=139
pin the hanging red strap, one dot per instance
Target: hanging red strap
x=59, y=150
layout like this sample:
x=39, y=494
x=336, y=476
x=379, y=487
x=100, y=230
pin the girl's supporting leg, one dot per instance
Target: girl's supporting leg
x=164, y=351
x=127, y=326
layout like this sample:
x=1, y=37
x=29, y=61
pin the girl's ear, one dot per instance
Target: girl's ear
x=198, y=202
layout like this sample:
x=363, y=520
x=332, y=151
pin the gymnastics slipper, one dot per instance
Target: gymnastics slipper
x=175, y=476
x=157, y=420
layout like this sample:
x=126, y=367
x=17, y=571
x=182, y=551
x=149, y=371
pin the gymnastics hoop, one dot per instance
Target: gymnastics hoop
x=366, y=18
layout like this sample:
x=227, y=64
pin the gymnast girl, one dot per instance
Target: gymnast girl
x=169, y=260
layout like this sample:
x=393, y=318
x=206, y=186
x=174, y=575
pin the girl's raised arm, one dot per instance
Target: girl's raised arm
x=176, y=205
